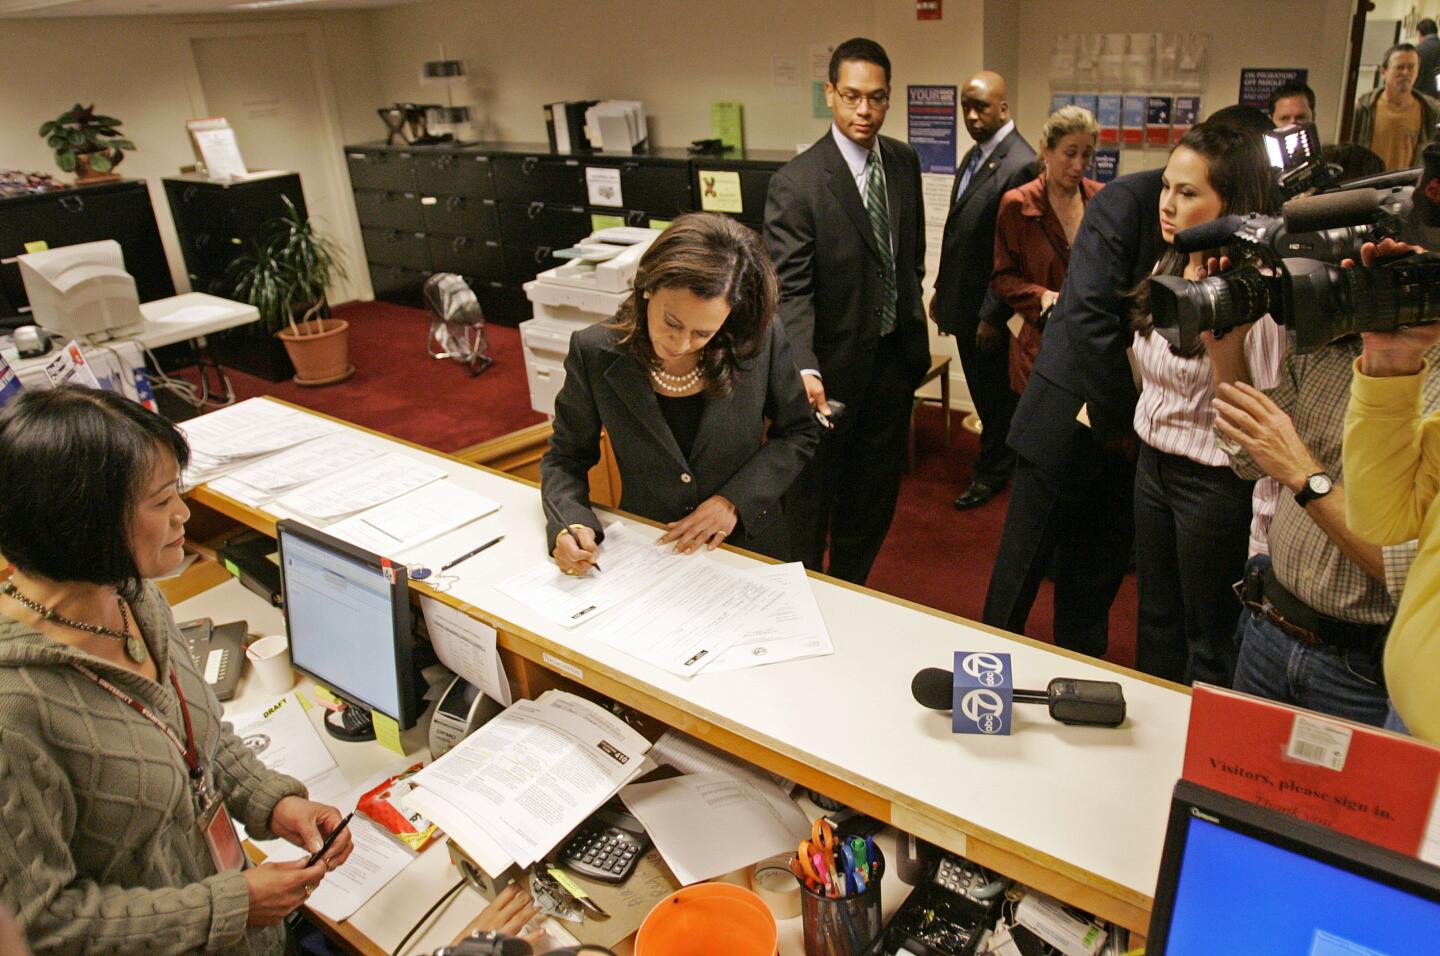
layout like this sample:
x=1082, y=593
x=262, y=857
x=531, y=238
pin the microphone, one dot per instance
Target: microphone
x=1207, y=235
x=1351, y=207
x=1071, y=701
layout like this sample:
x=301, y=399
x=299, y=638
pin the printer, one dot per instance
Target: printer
x=589, y=286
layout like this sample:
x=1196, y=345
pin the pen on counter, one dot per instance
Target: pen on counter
x=470, y=554
x=329, y=841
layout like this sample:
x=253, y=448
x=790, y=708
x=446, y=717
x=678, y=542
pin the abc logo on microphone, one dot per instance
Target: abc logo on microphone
x=983, y=694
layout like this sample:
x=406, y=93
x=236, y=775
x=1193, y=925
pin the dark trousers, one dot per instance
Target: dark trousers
x=1192, y=531
x=1080, y=524
x=987, y=376
x=845, y=498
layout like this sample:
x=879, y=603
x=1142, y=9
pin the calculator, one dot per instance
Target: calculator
x=606, y=847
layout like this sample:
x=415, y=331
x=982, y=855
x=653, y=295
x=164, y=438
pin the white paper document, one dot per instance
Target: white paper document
x=303, y=464
x=788, y=629
x=365, y=486
x=532, y=774
x=708, y=824
x=461, y=826
x=691, y=620
x=376, y=860
x=282, y=736
x=253, y=427
x=631, y=561
x=414, y=518
x=467, y=647
x=688, y=755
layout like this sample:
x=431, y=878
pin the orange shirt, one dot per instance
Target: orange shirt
x=1397, y=130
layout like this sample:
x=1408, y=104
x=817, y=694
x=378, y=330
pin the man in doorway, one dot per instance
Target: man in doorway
x=1292, y=102
x=963, y=305
x=1396, y=120
x=845, y=226
x=1427, y=44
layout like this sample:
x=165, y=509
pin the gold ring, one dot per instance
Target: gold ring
x=722, y=533
x=569, y=571
x=308, y=891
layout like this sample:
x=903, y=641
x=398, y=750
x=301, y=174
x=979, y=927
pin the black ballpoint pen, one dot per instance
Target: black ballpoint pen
x=470, y=554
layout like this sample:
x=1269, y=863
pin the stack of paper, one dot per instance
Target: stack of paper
x=358, y=488
x=414, y=518
x=273, y=475
x=512, y=790
x=229, y=438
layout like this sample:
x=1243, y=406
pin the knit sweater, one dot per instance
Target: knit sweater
x=101, y=852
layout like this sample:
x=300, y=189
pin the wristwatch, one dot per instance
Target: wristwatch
x=1317, y=485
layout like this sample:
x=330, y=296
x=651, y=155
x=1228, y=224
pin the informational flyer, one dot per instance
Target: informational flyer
x=1132, y=121
x=1107, y=114
x=1106, y=165
x=1158, y=110
x=1187, y=114
x=932, y=118
x=720, y=191
x=1257, y=83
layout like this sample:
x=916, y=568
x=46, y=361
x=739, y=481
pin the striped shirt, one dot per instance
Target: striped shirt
x=1314, y=390
x=1174, y=413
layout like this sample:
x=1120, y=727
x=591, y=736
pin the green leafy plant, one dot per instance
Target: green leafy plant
x=80, y=131
x=287, y=272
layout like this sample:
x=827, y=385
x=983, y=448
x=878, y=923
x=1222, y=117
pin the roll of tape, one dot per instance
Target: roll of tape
x=773, y=882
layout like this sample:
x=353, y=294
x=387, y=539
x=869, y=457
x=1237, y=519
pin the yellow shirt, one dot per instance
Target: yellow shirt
x=1397, y=130
x=1392, y=477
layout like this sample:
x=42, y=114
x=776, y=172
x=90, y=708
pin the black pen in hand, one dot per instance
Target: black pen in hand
x=329, y=841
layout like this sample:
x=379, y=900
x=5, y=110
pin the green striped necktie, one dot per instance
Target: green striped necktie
x=880, y=224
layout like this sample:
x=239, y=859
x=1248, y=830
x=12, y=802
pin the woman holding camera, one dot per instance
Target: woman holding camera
x=1036, y=224
x=117, y=778
x=684, y=381
x=1192, y=513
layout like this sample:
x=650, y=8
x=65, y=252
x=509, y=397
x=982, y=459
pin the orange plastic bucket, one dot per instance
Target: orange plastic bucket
x=709, y=919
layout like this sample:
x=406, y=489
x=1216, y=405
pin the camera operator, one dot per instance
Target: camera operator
x=1393, y=459
x=1316, y=613
x=1192, y=514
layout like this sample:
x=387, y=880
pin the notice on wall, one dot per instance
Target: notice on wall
x=1187, y=114
x=720, y=191
x=819, y=109
x=1132, y=121
x=602, y=185
x=1107, y=114
x=785, y=71
x=1089, y=102
x=932, y=124
x=1057, y=100
x=1257, y=83
x=1158, y=110
x=1105, y=166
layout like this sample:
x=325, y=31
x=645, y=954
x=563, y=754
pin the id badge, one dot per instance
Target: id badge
x=220, y=836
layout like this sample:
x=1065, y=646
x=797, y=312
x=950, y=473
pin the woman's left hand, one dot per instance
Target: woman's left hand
x=710, y=524
x=306, y=823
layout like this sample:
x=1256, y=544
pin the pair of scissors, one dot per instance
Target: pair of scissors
x=820, y=849
x=813, y=870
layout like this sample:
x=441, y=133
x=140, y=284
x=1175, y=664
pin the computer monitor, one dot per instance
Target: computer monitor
x=348, y=615
x=80, y=290
x=1238, y=878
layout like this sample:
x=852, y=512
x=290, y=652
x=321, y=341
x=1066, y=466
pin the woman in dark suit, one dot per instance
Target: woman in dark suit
x=684, y=380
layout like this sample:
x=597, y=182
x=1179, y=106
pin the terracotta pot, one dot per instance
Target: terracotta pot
x=322, y=358
x=85, y=176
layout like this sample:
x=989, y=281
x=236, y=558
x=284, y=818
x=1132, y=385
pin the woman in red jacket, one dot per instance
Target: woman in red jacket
x=1036, y=224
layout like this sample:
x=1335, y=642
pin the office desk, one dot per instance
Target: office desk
x=1076, y=812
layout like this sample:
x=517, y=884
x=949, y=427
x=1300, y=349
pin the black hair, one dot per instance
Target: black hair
x=1355, y=161
x=710, y=256
x=1397, y=48
x=1243, y=119
x=73, y=465
x=1426, y=27
x=859, y=48
x=1288, y=89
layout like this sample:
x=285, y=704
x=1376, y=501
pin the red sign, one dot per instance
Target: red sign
x=927, y=9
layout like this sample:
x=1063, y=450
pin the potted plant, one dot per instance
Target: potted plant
x=86, y=144
x=284, y=276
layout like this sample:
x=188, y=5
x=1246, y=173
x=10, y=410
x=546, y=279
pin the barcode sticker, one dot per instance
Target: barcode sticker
x=1319, y=742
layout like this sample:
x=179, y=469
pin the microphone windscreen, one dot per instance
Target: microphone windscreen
x=1350, y=207
x=934, y=687
x=1426, y=198
x=1207, y=235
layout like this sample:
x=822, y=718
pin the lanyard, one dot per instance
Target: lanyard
x=187, y=750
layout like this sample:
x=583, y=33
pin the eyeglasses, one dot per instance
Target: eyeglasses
x=851, y=98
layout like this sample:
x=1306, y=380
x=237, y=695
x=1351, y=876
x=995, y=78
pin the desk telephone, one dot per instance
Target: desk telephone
x=217, y=652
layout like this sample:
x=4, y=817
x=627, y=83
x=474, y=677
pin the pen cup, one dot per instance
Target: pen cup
x=845, y=926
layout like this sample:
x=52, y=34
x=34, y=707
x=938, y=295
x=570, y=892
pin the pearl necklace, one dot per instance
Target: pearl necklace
x=134, y=647
x=675, y=384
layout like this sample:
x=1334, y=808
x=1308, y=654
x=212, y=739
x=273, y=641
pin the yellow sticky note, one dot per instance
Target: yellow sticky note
x=571, y=887
x=230, y=566
x=39, y=245
x=387, y=732
x=720, y=191
x=599, y=221
x=304, y=701
x=324, y=694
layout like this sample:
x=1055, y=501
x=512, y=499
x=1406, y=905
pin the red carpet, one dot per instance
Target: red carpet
x=935, y=555
x=400, y=390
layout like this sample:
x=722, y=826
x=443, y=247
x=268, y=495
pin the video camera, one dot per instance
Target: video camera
x=1290, y=265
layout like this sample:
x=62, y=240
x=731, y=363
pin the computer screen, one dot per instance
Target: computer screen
x=80, y=290
x=1239, y=878
x=349, y=623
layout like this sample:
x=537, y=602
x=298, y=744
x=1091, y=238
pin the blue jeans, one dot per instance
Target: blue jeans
x=1318, y=677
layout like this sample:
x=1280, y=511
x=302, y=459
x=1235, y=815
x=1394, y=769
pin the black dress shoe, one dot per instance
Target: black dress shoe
x=976, y=495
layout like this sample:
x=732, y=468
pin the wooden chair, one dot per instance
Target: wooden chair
x=939, y=368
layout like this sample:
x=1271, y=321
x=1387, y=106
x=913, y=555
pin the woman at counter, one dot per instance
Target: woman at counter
x=683, y=380
x=117, y=779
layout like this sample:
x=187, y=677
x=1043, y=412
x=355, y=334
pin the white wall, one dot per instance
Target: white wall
x=141, y=70
x=1313, y=34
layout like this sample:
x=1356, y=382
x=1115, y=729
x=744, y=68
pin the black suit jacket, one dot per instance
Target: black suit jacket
x=967, y=252
x=831, y=278
x=605, y=385
x=1082, y=355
